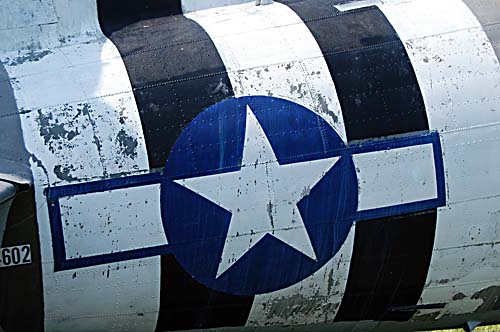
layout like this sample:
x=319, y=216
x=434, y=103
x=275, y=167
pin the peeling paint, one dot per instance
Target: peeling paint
x=325, y=109
x=30, y=57
x=491, y=298
x=128, y=144
x=282, y=309
x=459, y=296
x=221, y=87
x=51, y=129
x=64, y=173
x=298, y=89
x=86, y=109
x=40, y=164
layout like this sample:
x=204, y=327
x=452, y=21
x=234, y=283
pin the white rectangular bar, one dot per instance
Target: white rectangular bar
x=113, y=221
x=394, y=177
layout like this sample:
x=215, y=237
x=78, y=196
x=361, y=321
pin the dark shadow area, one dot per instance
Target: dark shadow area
x=116, y=14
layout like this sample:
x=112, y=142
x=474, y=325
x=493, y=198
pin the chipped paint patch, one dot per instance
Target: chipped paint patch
x=324, y=107
x=311, y=301
x=490, y=297
x=64, y=172
x=128, y=144
x=281, y=310
x=51, y=129
x=32, y=56
x=104, y=138
x=459, y=296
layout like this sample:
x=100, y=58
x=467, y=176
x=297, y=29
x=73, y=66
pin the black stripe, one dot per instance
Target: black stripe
x=375, y=81
x=116, y=15
x=389, y=267
x=176, y=73
x=186, y=304
x=380, y=96
x=21, y=292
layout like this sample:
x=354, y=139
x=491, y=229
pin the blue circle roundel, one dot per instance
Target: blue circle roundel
x=257, y=194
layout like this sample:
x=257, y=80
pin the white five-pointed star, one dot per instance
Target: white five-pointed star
x=262, y=196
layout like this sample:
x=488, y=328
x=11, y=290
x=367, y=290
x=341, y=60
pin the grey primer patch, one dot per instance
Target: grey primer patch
x=488, y=14
x=30, y=57
x=128, y=144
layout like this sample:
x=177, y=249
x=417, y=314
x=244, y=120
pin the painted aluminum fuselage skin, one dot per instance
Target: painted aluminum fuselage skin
x=96, y=100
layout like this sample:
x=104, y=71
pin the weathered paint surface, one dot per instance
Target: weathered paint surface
x=316, y=298
x=238, y=32
x=299, y=75
x=457, y=83
x=131, y=220
x=487, y=14
x=81, y=123
x=383, y=173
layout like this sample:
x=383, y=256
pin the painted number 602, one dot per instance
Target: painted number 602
x=15, y=256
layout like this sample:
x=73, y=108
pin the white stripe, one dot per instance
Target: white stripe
x=80, y=122
x=395, y=177
x=459, y=76
x=269, y=51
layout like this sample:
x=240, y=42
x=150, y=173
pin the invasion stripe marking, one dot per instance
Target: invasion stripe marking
x=174, y=67
x=380, y=96
x=457, y=69
x=176, y=72
x=13, y=282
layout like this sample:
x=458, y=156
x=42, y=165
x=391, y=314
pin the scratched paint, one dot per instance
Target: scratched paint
x=34, y=26
x=316, y=298
x=299, y=75
x=95, y=116
x=451, y=77
x=80, y=122
x=269, y=71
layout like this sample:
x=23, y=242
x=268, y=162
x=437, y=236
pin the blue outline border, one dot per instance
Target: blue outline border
x=402, y=142
x=53, y=194
x=61, y=263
